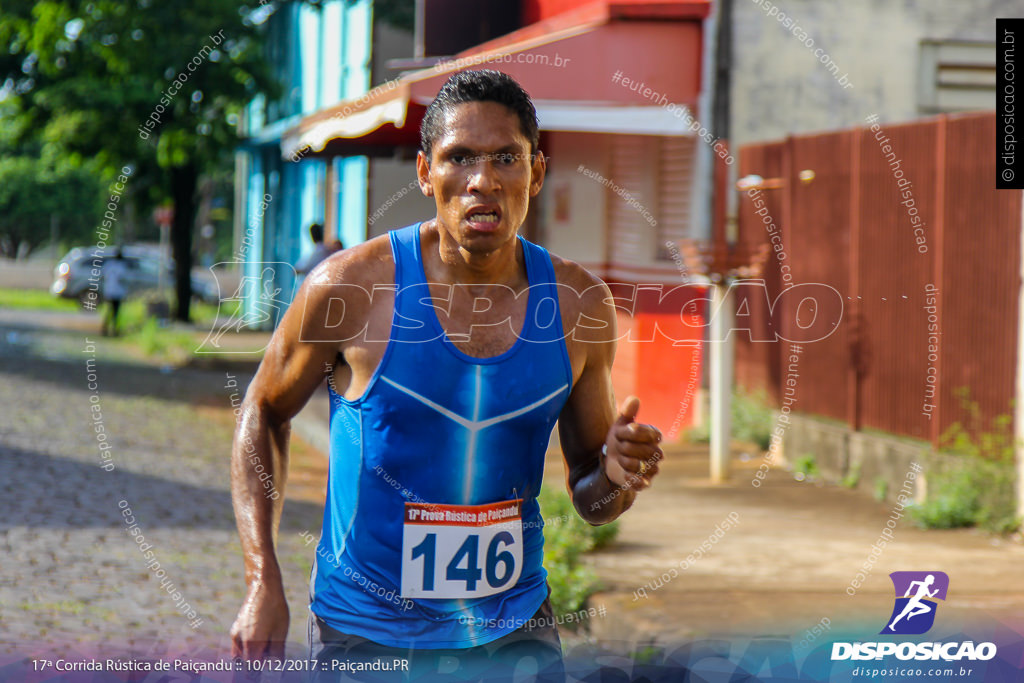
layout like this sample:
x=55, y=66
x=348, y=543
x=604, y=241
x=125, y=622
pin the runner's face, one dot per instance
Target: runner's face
x=481, y=175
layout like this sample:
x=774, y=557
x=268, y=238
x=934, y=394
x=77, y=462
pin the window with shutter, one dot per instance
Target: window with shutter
x=627, y=225
x=675, y=186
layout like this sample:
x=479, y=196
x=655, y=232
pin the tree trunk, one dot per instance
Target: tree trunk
x=184, y=180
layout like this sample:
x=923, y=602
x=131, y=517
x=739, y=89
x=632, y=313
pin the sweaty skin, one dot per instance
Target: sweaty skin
x=482, y=164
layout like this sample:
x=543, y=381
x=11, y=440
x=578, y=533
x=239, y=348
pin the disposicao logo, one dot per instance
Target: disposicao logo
x=914, y=612
x=917, y=596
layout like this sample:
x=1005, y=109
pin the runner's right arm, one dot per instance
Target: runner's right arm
x=293, y=367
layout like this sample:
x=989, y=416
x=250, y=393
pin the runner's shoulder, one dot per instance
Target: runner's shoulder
x=336, y=297
x=580, y=289
x=363, y=265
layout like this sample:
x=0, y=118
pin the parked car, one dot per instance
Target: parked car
x=74, y=276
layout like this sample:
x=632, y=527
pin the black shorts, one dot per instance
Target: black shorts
x=532, y=652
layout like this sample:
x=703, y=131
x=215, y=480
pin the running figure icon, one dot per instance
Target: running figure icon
x=917, y=596
x=916, y=605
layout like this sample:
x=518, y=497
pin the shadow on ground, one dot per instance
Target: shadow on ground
x=47, y=491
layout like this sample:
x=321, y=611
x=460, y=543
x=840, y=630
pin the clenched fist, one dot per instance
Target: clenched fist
x=632, y=450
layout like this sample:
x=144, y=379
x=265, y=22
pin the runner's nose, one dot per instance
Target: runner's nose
x=483, y=178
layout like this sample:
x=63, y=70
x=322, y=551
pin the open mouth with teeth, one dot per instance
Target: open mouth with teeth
x=483, y=217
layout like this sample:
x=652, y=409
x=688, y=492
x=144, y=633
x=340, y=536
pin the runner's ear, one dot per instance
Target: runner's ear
x=538, y=169
x=423, y=174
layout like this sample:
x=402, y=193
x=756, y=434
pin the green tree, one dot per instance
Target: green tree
x=34, y=191
x=157, y=87
x=38, y=186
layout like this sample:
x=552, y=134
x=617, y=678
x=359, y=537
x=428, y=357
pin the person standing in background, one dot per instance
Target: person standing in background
x=115, y=270
x=319, y=253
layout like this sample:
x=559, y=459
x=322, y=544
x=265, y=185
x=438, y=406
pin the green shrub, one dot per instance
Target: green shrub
x=699, y=433
x=566, y=538
x=970, y=492
x=852, y=478
x=881, y=489
x=806, y=467
x=953, y=500
x=752, y=420
x=974, y=485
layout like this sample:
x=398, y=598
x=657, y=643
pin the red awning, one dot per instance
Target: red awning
x=382, y=119
x=575, y=66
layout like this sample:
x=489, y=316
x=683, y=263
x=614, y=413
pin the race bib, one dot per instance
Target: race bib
x=461, y=551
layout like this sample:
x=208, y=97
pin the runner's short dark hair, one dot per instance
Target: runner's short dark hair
x=483, y=85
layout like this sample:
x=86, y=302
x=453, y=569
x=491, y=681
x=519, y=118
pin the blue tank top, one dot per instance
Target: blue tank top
x=432, y=535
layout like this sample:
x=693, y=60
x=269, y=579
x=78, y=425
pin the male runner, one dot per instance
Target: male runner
x=452, y=346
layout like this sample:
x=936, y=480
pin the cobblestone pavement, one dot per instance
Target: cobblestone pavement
x=73, y=579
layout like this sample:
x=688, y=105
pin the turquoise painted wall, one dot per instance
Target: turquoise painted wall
x=322, y=57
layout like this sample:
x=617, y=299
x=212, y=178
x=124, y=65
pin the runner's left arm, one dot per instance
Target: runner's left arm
x=609, y=456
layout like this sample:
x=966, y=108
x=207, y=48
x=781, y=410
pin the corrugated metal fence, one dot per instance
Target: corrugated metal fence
x=904, y=222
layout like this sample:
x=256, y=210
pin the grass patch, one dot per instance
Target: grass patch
x=566, y=538
x=752, y=420
x=36, y=300
x=972, y=481
x=154, y=338
x=204, y=314
x=140, y=332
x=164, y=339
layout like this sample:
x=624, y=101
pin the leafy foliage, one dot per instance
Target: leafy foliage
x=33, y=192
x=37, y=186
x=89, y=74
x=399, y=13
x=806, y=467
x=975, y=485
x=752, y=420
x=155, y=87
x=566, y=538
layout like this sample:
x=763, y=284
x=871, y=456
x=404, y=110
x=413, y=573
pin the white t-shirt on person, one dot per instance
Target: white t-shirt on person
x=114, y=272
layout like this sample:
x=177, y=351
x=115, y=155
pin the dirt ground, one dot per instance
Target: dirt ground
x=786, y=564
x=793, y=549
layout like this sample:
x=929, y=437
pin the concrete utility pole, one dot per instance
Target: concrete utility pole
x=721, y=362
x=722, y=263
x=721, y=352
